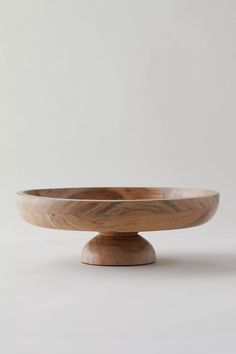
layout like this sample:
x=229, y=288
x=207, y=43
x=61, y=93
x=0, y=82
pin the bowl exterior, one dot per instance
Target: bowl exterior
x=116, y=215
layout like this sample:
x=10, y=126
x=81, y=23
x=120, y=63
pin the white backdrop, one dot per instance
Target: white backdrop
x=106, y=93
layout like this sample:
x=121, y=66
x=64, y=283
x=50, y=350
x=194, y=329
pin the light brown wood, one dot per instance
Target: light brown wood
x=117, y=212
x=122, y=249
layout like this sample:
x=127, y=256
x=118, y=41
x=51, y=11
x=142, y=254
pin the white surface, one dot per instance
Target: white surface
x=117, y=93
x=52, y=303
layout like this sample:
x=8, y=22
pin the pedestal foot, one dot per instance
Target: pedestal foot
x=118, y=249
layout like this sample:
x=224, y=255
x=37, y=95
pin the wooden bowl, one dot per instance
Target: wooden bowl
x=118, y=214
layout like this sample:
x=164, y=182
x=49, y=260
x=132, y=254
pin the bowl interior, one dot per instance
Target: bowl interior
x=121, y=193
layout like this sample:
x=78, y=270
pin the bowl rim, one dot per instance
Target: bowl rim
x=209, y=193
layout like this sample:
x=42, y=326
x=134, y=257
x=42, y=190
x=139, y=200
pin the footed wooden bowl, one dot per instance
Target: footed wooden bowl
x=118, y=214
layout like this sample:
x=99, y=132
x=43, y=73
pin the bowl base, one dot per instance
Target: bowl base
x=118, y=249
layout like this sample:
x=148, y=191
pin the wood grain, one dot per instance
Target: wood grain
x=117, y=211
